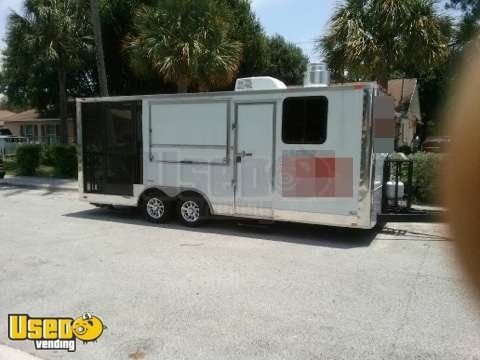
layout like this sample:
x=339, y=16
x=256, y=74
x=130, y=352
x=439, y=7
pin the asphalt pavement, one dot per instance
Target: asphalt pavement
x=232, y=290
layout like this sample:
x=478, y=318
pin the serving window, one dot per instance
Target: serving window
x=305, y=120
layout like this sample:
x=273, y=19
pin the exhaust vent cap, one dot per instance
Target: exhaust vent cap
x=317, y=75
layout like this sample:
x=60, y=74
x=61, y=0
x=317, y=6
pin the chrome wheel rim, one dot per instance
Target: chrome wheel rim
x=190, y=211
x=155, y=208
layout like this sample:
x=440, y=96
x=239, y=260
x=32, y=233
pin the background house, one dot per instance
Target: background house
x=37, y=128
x=3, y=115
x=407, y=107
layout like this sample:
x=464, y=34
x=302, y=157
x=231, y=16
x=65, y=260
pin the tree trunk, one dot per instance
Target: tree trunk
x=203, y=88
x=182, y=85
x=97, y=30
x=382, y=76
x=62, y=108
x=383, y=81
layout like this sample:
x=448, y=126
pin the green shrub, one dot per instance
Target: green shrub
x=47, y=156
x=28, y=159
x=65, y=160
x=10, y=166
x=426, y=177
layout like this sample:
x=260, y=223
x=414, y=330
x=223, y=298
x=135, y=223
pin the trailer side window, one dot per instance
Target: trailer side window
x=305, y=120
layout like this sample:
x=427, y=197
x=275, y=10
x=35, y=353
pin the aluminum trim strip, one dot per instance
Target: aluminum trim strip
x=366, y=162
x=115, y=200
x=184, y=146
x=239, y=94
x=319, y=219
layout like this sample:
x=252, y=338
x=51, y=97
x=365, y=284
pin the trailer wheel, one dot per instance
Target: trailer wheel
x=156, y=207
x=192, y=210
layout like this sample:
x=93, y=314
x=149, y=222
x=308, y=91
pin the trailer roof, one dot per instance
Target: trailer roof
x=293, y=90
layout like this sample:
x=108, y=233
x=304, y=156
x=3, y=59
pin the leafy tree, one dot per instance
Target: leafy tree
x=44, y=44
x=249, y=31
x=188, y=42
x=97, y=30
x=286, y=61
x=29, y=77
x=371, y=39
x=469, y=25
x=117, y=22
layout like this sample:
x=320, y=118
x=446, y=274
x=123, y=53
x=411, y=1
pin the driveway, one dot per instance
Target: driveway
x=232, y=291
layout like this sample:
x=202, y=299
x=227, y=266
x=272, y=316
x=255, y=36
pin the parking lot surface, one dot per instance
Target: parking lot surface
x=232, y=290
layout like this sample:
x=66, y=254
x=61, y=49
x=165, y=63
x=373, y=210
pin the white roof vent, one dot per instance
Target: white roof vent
x=317, y=75
x=259, y=83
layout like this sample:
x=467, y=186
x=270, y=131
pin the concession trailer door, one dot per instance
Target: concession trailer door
x=254, y=159
x=112, y=147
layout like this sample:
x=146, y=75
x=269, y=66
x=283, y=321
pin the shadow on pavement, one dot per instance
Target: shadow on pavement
x=12, y=190
x=304, y=234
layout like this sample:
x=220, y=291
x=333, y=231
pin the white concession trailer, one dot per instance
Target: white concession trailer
x=263, y=151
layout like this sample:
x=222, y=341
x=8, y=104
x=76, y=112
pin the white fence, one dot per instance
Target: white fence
x=9, y=144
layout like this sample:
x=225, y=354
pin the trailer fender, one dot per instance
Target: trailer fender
x=187, y=193
x=151, y=191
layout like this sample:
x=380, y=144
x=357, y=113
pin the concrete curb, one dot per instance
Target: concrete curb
x=40, y=182
x=8, y=353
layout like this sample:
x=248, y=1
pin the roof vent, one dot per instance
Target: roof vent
x=317, y=75
x=259, y=83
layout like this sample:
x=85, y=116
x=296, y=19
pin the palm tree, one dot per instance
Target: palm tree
x=188, y=42
x=371, y=39
x=57, y=31
x=97, y=30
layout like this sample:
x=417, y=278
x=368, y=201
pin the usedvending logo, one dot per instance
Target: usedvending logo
x=55, y=333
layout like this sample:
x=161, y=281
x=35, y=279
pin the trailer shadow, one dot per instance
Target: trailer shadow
x=303, y=234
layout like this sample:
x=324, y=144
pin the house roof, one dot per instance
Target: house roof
x=3, y=115
x=26, y=116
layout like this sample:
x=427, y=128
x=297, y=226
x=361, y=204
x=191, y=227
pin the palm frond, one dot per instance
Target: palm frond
x=185, y=40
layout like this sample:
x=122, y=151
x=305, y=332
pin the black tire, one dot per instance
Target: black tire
x=156, y=208
x=192, y=210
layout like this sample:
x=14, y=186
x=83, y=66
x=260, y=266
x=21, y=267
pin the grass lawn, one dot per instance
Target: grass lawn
x=46, y=171
x=42, y=170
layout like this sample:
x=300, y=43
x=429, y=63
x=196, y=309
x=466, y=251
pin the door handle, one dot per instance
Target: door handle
x=243, y=154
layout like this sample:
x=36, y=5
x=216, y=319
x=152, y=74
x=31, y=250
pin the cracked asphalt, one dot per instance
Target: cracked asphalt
x=232, y=290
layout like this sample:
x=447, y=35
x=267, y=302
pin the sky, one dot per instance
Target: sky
x=5, y=7
x=299, y=21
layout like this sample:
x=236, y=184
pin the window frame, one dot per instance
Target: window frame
x=324, y=138
x=29, y=132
